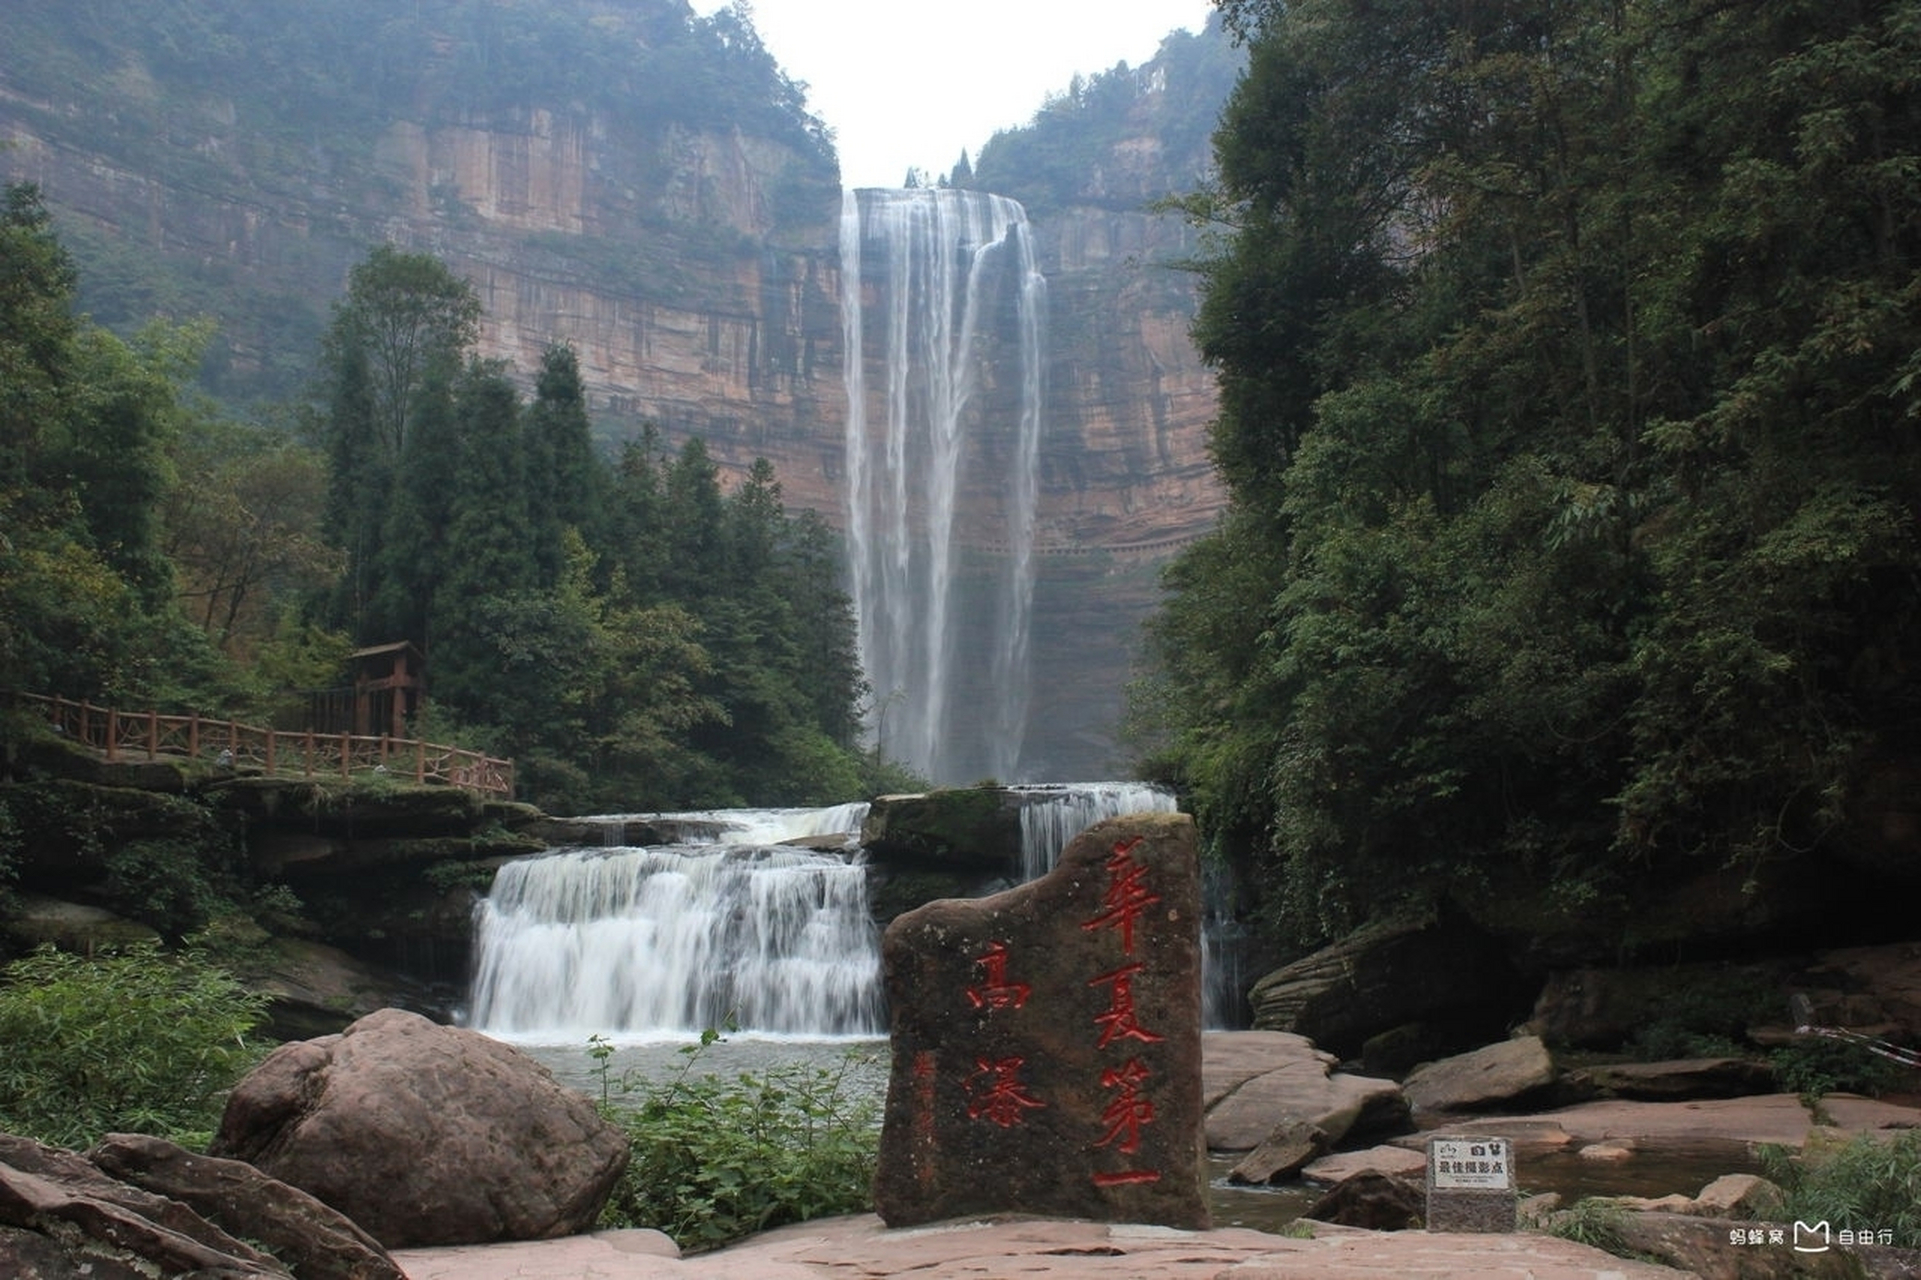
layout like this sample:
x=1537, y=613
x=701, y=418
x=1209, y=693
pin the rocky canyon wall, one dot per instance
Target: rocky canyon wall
x=696, y=273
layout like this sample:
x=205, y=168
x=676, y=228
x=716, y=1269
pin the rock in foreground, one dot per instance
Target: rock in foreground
x=1047, y=1041
x=426, y=1135
x=137, y=1207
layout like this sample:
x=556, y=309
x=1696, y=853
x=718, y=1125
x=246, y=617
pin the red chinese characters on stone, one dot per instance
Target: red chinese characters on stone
x=1125, y=901
x=995, y=991
x=1130, y=1110
x=1120, y=1019
x=1127, y=894
x=995, y=1092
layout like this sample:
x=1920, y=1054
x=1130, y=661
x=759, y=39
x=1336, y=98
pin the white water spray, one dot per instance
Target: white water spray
x=1053, y=815
x=676, y=939
x=944, y=267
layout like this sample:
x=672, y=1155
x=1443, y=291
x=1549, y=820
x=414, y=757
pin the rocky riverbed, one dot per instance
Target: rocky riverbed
x=1358, y=1140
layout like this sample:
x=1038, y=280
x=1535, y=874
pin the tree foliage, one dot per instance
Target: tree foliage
x=89, y=427
x=1567, y=357
x=631, y=632
x=1073, y=152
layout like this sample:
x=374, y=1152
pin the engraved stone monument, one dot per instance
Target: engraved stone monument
x=1047, y=1041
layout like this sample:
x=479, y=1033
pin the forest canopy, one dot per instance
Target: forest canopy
x=630, y=634
x=1570, y=364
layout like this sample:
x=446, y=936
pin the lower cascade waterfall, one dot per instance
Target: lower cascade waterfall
x=674, y=940
x=1051, y=815
x=726, y=928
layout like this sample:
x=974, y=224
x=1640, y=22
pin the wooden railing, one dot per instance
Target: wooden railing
x=120, y=734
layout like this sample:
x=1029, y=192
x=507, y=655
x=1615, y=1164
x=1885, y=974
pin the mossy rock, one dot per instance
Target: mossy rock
x=358, y=810
x=961, y=827
x=69, y=830
x=892, y=893
x=70, y=926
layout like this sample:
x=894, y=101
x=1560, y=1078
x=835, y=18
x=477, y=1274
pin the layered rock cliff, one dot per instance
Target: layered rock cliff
x=690, y=260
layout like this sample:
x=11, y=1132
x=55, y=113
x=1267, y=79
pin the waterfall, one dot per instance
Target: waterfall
x=943, y=635
x=676, y=939
x=1053, y=815
x=734, y=826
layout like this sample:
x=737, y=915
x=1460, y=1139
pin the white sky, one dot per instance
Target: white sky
x=912, y=82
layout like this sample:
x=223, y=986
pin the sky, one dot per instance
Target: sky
x=911, y=82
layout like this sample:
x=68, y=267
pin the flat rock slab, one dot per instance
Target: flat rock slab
x=1047, y=1040
x=1301, y=1089
x=1229, y=1059
x=846, y=1248
x=1395, y=1162
x=1488, y=1076
x=1709, y=1122
x=1684, y=1078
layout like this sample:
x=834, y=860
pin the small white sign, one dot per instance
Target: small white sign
x=1477, y=1164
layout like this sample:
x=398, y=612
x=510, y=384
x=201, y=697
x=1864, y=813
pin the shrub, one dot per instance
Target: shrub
x=1595, y=1221
x=715, y=1159
x=136, y=1041
x=1867, y=1184
x=1815, y=1066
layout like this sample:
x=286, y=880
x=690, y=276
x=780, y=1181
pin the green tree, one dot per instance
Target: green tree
x=565, y=481
x=487, y=545
x=404, y=326
x=242, y=524
x=1562, y=350
x=37, y=330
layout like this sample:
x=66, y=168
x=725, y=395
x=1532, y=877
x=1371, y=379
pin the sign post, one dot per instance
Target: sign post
x=1470, y=1183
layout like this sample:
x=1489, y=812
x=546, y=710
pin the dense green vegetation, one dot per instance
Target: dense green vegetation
x=95, y=437
x=628, y=633
x=717, y=1159
x=1069, y=153
x=1866, y=1184
x=284, y=136
x=133, y=1042
x=1569, y=375
x=634, y=637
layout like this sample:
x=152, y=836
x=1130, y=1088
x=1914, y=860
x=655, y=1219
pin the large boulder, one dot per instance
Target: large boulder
x=1372, y=1201
x=426, y=1135
x=1436, y=969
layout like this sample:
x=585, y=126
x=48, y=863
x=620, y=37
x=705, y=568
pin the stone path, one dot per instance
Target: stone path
x=860, y=1248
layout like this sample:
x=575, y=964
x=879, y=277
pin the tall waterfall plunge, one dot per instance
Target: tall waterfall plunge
x=942, y=300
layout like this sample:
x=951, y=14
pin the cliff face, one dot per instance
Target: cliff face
x=695, y=269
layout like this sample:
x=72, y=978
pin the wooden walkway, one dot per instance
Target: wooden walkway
x=120, y=735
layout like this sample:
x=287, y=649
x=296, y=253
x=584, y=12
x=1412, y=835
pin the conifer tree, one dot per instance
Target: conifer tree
x=564, y=477
x=489, y=548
